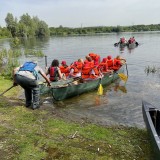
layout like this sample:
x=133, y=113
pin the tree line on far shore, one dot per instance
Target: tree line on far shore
x=29, y=26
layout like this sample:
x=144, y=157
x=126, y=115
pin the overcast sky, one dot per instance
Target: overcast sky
x=77, y=13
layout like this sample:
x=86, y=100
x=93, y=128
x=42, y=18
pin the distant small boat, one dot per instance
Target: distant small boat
x=152, y=120
x=132, y=45
x=121, y=45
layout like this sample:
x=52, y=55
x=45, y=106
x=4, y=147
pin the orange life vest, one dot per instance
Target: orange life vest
x=79, y=65
x=117, y=64
x=86, y=69
x=103, y=66
x=110, y=63
x=97, y=73
x=65, y=70
x=95, y=57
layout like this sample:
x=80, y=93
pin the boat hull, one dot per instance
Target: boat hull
x=132, y=45
x=152, y=120
x=69, y=90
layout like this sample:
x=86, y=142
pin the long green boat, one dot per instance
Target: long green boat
x=66, y=89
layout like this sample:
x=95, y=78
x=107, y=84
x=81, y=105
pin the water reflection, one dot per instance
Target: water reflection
x=34, y=43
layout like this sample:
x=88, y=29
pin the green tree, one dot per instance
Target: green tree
x=28, y=27
x=11, y=24
x=42, y=29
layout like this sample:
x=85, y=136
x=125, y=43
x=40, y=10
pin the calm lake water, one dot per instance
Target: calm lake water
x=115, y=106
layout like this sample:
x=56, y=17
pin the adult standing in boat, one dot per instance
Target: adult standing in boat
x=27, y=77
x=54, y=71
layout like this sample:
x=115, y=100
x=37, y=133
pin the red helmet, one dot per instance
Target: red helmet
x=109, y=57
x=63, y=63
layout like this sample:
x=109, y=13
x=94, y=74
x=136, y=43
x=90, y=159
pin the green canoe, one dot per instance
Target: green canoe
x=66, y=89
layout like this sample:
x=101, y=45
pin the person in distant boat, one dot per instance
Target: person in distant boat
x=54, y=71
x=27, y=77
x=131, y=40
x=122, y=40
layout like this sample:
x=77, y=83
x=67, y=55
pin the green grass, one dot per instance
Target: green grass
x=36, y=134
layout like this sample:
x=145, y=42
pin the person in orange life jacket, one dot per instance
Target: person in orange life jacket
x=95, y=58
x=27, y=77
x=103, y=66
x=90, y=61
x=121, y=59
x=118, y=62
x=74, y=71
x=86, y=69
x=117, y=65
x=95, y=73
x=110, y=62
x=81, y=61
x=90, y=71
x=64, y=68
x=54, y=71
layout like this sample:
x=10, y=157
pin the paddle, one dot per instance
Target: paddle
x=100, y=88
x=46, y=61
x=123, y=77
x=7, y=90
x=116, y=44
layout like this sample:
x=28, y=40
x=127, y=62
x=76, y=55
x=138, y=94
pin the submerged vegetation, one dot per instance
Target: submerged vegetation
x=9, y=59
x=42, y=134
x=152, y=69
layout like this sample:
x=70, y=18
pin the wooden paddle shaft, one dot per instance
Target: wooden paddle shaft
x=7, y=90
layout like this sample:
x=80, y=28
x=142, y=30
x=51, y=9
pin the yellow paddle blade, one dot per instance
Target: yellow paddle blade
x=100, y=90
x=123, y=77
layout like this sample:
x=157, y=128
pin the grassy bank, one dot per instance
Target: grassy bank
x=39, y=134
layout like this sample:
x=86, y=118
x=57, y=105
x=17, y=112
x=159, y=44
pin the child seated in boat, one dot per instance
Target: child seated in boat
x=65, y=69
x=95, y=73
x=54, y=71
x=122, y=60
x=75, y=69
x=109, y=62
x=103, y=66
x=89, y=71
x=118, y=62
x=95, y=58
